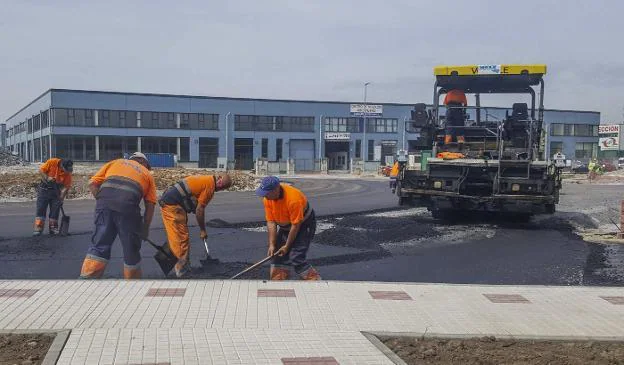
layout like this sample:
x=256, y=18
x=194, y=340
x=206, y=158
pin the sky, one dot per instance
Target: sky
x=305, y=49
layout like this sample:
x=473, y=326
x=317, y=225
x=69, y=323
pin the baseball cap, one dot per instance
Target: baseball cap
x=67, y=165
x=267, y=185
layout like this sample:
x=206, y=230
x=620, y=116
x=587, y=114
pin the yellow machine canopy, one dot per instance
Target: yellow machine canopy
x=489, y=78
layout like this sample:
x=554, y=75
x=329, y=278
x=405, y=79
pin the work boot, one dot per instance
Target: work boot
x=38, y=229
x=132, y=271
x=53, y=227
x=448, y=139
x=279, y=273
x=93, y=267
x=461, y=139
x=310, y=274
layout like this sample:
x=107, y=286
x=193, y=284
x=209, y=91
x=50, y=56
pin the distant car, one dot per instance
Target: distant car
x=620, y=164
x=579, y=168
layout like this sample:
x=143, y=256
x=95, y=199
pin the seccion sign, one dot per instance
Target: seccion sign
x=603, y=129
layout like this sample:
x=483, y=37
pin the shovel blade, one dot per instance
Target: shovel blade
x=165, y=259
x=64, y=228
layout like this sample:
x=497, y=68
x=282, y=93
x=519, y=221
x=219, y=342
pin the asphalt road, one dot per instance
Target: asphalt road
x=352, y=242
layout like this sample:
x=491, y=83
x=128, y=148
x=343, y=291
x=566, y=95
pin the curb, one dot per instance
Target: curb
x=383, y=348
x=463, y=336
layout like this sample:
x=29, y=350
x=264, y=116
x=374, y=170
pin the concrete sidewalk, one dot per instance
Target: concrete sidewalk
x=257, y=322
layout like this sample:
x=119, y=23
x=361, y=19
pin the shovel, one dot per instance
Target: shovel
x=253, y=266
x=164, y=257
x=208, y=259
x=64, y=228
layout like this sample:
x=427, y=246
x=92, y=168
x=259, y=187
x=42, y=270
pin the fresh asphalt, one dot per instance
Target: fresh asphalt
x=362, y=235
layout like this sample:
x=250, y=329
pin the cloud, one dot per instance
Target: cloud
x=306, y=49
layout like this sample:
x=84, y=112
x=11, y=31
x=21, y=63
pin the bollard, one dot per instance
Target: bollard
x=620, y=234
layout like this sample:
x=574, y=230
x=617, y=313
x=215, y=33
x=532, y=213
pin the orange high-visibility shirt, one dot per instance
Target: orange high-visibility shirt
x=202, y=187
x=395, y=170
x=128, y=169
x=288, y=209
x=455, y=96
x=52, y=168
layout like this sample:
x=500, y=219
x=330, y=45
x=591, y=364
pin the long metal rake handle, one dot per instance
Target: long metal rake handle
x=253, y=266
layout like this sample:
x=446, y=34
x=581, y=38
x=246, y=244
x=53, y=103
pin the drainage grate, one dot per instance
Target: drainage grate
x=166, y=292
x=506, y=298
x=389, y=295
x=280, y=293
x=309, y=361
x=17, y=293
x=614, y=300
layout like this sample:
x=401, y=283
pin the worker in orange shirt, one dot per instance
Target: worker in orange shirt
x=190, y=195
x=287, y=207
x=455, y=101
x=56, y=179
x=394, y=174
x=118, y=187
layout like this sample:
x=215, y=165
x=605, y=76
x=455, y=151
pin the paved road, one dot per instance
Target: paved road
x=16, y=219
x=390, y=245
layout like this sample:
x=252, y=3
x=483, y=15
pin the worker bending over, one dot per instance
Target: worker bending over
x=118, y=188
x=190, y=195
x=455, y=102
x=288, y=208
x=56, y=179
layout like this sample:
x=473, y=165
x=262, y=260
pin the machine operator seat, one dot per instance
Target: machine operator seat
x=519, y=111
x=455, y=115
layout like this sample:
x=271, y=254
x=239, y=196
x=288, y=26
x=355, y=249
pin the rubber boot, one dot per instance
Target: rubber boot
x=448, y=139
x=53, y=227
x=93, y=267
x=310, y=274
x=38, y=229
x=132, y=271
x=279, y=273
x=461, y=139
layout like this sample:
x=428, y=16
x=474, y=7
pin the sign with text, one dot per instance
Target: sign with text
x=609, y=137
x=366, y=110
x=337, y=136
x=604, y=129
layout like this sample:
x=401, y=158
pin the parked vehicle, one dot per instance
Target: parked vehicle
x=579, y=167
x=620, y=164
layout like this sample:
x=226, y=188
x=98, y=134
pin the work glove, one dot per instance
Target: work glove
x=203, y=235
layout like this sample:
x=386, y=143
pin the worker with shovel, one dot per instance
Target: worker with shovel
x=56, y=179
x=118, y=187
x=188, y=196
x=287, y=207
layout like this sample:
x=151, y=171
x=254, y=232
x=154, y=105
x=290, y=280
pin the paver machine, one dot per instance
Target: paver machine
x=487, y=164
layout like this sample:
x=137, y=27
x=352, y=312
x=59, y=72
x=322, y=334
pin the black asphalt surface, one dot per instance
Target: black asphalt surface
x=352, y=243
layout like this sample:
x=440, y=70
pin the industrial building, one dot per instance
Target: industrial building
x=206, y=131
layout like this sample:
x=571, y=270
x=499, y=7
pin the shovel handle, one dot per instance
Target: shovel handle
x=206, y=245
x=253, y=266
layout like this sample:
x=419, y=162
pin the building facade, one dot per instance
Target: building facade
x=207, y=131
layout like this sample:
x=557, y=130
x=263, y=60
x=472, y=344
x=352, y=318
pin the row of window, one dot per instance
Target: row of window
x=582, y=150
x=273, y=123
x=355, y=125
x=578, y=130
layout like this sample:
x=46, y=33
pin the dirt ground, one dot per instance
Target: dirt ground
x=24, y=349
x=19, y=183
x=489, y=350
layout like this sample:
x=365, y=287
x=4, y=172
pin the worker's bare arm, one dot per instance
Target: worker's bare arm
x=272, y=229
x=292, y=234
x=201, y=221
x=94, y=189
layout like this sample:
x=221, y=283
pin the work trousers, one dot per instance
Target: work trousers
x=175, y=220
x=108, y=225
x=296, y=257
x=47, y=197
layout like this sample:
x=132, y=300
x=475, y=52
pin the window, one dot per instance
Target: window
x=586, y=150
x=381, y=125
x=273, y=123
x=104, y=119
x=184, y=149
x=342, y=125
x=30, y=125
x=200, y=121
x=278, y=149
x=265, y=148
x=358, y=148
x=568, y=129
x=78, y=148
x=585, y=130
x=556, y=129
x=36, y=124
x=556, y=147
x=371, y=150
x=159, y=145
x=184, y=121
x=45, y=119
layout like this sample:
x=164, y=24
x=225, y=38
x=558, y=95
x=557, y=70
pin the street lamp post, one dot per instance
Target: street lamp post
x=365, y=142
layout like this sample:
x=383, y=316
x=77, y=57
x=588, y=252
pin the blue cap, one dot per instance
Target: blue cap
x=267, y=185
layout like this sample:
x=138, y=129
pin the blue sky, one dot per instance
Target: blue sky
x=297, y=49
